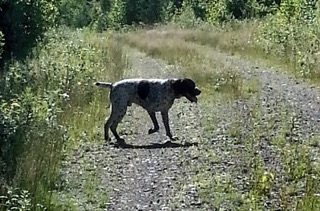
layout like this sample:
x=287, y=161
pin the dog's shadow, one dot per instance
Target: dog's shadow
x=167, y=144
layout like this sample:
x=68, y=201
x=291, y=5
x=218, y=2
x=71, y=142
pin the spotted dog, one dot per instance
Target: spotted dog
x=154, y=95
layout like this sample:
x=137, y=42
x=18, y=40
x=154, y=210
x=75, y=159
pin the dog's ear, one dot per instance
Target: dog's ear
x=181, y=86
x=188, y=84
x=143, y=89
x=178, y=87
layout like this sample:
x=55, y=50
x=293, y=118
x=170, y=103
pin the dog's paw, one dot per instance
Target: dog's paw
x=107, y=139
x=153, y=130
x=121, y=142
x=173, y=138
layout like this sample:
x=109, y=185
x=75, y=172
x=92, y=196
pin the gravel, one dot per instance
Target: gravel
x=158, y=176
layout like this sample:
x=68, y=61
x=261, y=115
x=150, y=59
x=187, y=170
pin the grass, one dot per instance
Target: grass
x=62, y=105
x=293, y=176
x=244, y=38
x=189, y=59
x=192, y=60
x=289, y=177
x=64, y=110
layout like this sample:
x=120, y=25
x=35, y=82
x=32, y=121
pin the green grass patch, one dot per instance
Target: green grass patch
x=52, y=106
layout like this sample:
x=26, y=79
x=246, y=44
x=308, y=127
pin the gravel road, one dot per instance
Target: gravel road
x=155, y=175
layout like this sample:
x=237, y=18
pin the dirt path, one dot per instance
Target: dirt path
x=150, y=176
x=143, y=178
x=156, y=176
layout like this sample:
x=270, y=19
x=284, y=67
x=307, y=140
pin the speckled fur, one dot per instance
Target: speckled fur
x=158, y=97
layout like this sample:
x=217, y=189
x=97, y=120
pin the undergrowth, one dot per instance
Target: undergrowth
x=48, y=104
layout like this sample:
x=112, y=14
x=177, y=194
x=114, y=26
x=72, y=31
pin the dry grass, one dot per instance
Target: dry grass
x=191, y=59
x=232, y=37
x=188, y=49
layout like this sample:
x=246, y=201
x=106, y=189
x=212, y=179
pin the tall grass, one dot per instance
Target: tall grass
x=50, y=106
x=192, y=60
x=278, y=40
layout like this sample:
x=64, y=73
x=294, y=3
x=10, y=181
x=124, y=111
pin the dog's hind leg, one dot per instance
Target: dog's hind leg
x=154, y=121
x=112, y=122
x=119, y=113
x=106, y=128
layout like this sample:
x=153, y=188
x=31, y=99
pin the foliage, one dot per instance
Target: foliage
x=292, y=33
x=110, y=13
x=38, y=101
x=16, y=199
x=185, y=17
x=219, y=11
x=78, y=13
x=115, y=17
x=143, y=11
x=1, y=44
x=24, y=22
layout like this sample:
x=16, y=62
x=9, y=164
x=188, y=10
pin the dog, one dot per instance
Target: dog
x=154, y=95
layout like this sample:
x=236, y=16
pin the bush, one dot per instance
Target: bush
x=292, y=34
x=185, y=17
x=112, y=16
x=219, y=11
x=15, y=199
x=38, y=99
x=82, y=13
x=105, y=14
x=23, y=23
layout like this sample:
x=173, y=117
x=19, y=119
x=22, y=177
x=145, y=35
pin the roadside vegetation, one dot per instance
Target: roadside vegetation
x=290, y=181
x=53, y=52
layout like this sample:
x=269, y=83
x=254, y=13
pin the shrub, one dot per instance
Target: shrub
x=15, y=199
x=292, y=33
x=185, y=17
x=219, y=11
x=23, y=23
x=105, y=14
x=38, y=99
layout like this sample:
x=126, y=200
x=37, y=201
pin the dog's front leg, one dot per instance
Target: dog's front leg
x=154, y=121
x=165, y=119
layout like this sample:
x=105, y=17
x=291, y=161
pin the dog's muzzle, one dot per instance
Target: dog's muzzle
x=192, y=97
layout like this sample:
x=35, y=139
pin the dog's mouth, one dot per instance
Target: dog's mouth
x=192, y=97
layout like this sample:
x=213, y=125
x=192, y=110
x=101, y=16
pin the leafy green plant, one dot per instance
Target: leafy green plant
x=23, y=23
x=220, y=11
x=42, y=103
x=185, y=16
x=15, y=199
x=292, y=34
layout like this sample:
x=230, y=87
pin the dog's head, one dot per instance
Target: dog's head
x=187, y=88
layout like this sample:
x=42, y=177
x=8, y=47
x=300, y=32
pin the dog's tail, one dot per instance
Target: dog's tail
x=104, y=84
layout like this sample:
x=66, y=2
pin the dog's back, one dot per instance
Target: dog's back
x=151, y=94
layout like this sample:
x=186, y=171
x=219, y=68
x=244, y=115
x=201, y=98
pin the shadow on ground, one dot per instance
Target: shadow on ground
x=167, y=144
